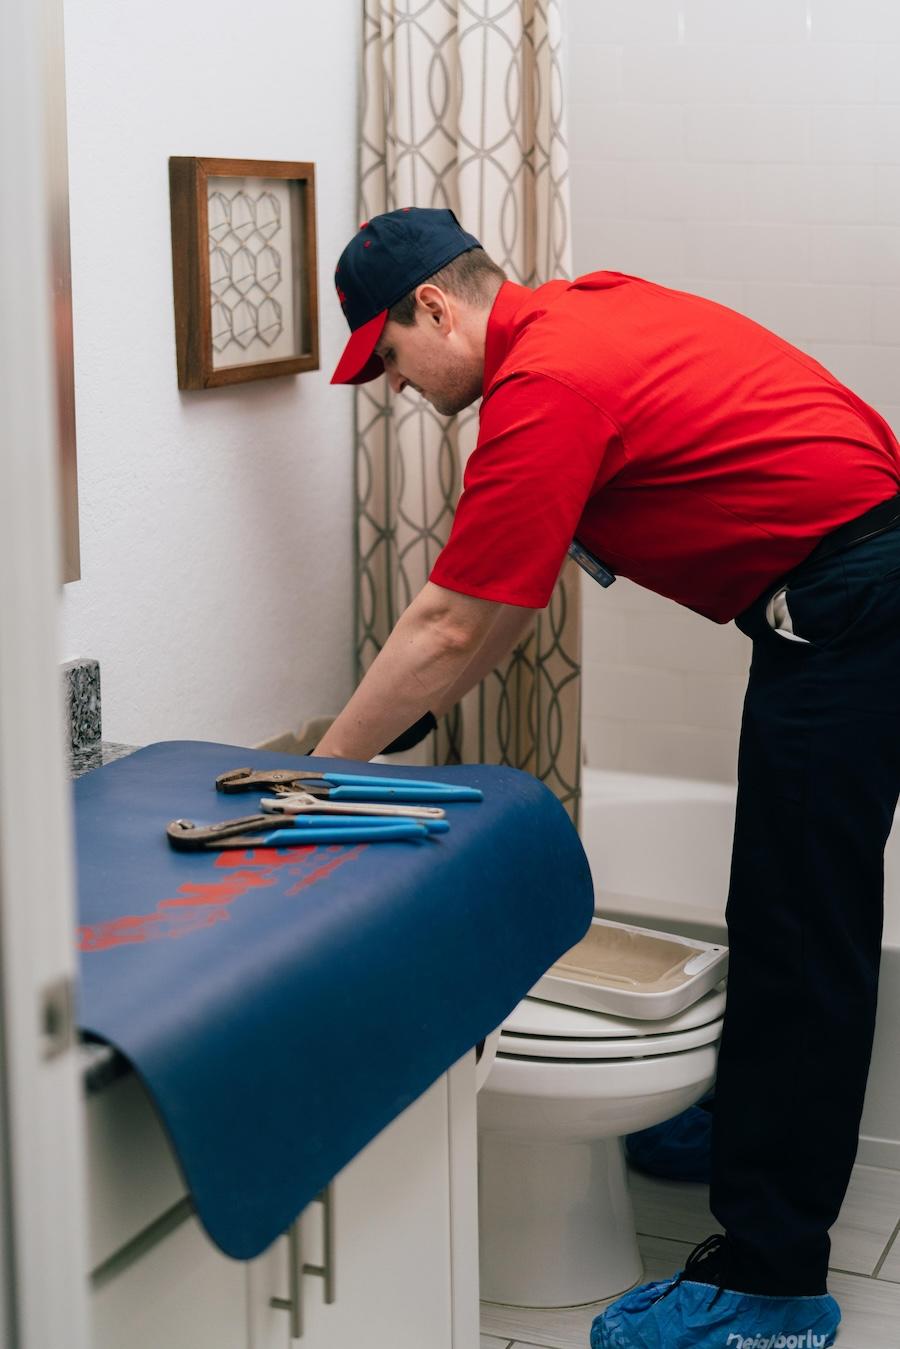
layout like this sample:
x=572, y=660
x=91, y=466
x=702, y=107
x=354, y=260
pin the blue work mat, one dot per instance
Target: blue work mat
x=282, y=1007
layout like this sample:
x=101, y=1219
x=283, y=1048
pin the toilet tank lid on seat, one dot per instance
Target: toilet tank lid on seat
x=633, y=971
x=537, y=1018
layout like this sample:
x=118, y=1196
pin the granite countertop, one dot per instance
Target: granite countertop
x=82, y=758
x=101, y=1064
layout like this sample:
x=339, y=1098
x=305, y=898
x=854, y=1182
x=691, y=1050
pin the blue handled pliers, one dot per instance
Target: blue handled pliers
x=261, y=831
x=345, y=786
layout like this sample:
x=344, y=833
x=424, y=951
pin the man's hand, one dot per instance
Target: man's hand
x=441, y=646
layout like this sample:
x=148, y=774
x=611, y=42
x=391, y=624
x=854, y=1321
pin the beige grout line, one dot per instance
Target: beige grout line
x=884, y=1254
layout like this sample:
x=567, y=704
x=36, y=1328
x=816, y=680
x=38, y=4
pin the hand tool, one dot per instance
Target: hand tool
x=253, y=831
x=345, y=786
x=388, y=789
x=297, y=803
x=340, y=826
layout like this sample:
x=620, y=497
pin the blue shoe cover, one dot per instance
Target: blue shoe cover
x=701, y=1316
x=676, y=1149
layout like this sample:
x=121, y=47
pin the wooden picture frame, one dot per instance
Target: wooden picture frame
x=244, y=269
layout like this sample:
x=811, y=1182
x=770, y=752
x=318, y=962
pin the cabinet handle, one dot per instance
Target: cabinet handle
x=297, y=1266
x=293, y=1303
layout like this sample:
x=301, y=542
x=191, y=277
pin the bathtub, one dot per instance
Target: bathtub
x=660, y=852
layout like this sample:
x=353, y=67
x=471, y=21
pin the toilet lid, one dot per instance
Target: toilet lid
x=536, y=1018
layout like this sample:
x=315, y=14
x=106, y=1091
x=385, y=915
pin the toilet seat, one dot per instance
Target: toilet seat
x=545, y=1030
x=521, y=1046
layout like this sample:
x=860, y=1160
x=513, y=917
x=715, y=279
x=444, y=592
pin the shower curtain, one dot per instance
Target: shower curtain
x=463, y=107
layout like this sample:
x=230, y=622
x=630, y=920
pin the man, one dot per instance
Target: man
x=705, y=458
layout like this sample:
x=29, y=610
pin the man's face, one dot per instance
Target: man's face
x=433, y=356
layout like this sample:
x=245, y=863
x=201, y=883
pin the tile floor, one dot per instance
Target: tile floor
x=672, y=1216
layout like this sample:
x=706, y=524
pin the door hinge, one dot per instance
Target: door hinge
x=57, y=1017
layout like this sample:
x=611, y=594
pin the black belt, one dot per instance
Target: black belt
x=886, y=515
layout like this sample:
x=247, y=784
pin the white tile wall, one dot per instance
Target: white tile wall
x=749, y=153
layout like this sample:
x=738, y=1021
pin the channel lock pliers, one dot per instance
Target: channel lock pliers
x=261, y=831
x=345, y=786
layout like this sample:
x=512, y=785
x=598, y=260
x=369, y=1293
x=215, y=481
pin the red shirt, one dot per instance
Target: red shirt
x=688, y=447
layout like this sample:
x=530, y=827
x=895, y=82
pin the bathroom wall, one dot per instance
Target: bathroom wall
x=749, y=153
x=216, y=527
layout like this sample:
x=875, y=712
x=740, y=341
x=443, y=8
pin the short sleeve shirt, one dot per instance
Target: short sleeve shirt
x=687, y=446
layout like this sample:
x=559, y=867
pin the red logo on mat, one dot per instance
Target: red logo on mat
x=201, y=906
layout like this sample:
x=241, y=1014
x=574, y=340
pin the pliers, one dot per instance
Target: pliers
x=290, y=802
x=345, y=786
x=261, y=831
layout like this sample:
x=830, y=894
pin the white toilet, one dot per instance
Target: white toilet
x=555, y=1216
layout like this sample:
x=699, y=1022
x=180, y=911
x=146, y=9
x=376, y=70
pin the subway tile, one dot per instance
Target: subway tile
x=603, y=639
x=838, y=72
x=680, y=191
x=776, y=73
x=888, y=85
x=891, y=414
x=598, y=190
x=645, y=248
x=776, y=133
x=886, y=315
x=681, y=751
x=714, y=700
x=872, y=372
x=682, y=640
x=803, y=312
x=719, y=289
x=749, y=252
x=867, y=254
x=629, y=597
x=594, y=73
x=768, y=20
x=861, y=21
x=810, y=193
x=887, y=208
x=605, y=742
x=756, y=72
x=856, y=133
x=639, y=693
x=633, y=131
x=624, y=21
x=683, y=74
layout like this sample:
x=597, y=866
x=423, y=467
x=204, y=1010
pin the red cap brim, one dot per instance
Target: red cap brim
x=359, y=364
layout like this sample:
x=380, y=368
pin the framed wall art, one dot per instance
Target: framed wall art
x=244, y=266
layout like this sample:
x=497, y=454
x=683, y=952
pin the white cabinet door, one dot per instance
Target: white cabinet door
x=181, y=1293
x=392, y=1249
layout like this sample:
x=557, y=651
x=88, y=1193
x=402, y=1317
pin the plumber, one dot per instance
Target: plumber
x=692, y=450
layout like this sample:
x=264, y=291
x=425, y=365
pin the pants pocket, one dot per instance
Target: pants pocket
x=779, y=617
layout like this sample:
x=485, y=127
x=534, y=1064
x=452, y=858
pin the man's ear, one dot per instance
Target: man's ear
x=434, y=301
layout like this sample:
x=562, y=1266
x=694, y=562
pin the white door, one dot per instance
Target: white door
x=43, y=1299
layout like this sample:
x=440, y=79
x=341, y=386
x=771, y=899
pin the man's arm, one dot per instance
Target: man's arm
x=508, y=629
x=423, y=659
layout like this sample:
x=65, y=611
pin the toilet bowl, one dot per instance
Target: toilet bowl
x=555, y=1216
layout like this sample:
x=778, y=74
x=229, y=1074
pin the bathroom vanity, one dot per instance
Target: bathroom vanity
x=288, y=1031
x=399, y=1266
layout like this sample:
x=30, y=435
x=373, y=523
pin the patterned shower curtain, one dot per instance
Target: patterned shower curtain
x=463, y=107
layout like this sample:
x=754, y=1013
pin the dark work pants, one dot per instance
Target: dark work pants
x=818, y=780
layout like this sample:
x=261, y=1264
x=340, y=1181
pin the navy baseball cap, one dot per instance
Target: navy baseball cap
x=389, y=257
